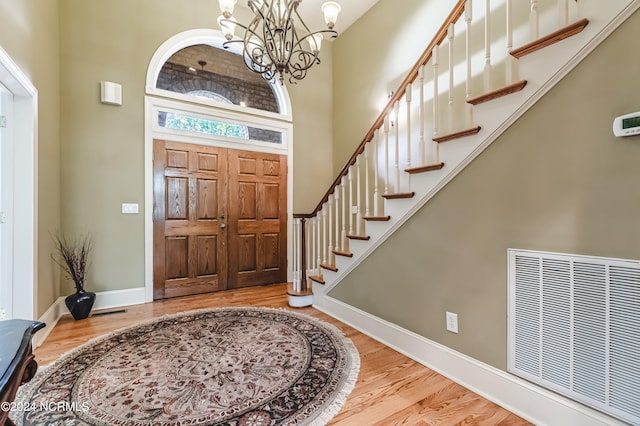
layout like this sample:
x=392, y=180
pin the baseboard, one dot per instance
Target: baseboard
x=104, y=300
x=50, y=318
x=119, y=298
x=531, y=402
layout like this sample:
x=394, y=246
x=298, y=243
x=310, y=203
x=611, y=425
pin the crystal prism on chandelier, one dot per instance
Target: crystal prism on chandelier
x=277, y=41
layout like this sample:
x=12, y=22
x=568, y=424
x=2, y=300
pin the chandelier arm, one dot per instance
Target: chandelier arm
x=333, y=34
x=279, y=49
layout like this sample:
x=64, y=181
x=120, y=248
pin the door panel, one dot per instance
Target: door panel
x=219, y=219
x=189, y=239
x=257, y=218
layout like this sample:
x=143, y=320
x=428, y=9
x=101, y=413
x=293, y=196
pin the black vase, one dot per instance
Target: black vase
x=80, y=303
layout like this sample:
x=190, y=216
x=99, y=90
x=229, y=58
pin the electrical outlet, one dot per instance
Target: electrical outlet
x=452, y=322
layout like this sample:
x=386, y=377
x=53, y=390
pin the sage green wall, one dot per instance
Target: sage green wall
x=370, y=60
x=557, y=180
x=28, y=33
x=103, y=146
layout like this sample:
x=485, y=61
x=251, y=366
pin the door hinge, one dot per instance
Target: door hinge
x=3, y=121
x=3, y=217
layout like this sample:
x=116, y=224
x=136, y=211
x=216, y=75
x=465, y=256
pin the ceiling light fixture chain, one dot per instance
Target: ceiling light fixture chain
x=272, y=45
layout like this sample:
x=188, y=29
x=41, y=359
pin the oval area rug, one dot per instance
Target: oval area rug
x=225, y=366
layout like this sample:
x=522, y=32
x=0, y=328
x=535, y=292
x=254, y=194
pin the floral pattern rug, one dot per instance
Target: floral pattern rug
x=231, y=366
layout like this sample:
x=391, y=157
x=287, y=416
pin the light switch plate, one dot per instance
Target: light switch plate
x=130, y=208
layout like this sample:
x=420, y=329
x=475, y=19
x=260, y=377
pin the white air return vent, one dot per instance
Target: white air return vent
x=574, y=327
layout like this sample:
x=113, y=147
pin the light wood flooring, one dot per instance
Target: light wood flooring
x=391, y=389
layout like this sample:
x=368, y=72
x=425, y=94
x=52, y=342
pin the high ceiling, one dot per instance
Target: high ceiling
x=310, y=11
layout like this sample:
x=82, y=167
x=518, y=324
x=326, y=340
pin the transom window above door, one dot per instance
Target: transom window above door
x=221, y=75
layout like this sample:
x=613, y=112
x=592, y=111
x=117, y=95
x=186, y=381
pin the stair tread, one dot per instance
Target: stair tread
x=359, y=237
x=457, y=135
x=342, y=253
x=292, y=292
x=398, y=195
x=550, y=39
x=333, y=268
x=498, y=93
x=377, y=218
x=425, y=168
x=317, y=278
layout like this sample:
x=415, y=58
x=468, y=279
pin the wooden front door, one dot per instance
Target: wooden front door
x=215, y=222
x=257, y=218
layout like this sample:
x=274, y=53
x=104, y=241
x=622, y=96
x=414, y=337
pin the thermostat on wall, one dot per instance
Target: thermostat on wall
x=627, y=125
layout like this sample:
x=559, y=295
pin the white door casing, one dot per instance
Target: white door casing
x=18, y=275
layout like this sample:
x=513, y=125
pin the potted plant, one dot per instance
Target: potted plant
x=72, y=255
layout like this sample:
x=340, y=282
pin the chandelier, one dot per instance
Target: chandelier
x=277, y=41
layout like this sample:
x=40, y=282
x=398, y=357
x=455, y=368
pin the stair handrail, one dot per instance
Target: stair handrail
x=396, y=96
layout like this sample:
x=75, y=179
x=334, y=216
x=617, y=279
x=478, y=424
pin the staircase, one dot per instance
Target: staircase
x=452, y=104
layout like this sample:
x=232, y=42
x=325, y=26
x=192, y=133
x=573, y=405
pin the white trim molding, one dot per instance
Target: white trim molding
x=24, y=215
x=531, y=402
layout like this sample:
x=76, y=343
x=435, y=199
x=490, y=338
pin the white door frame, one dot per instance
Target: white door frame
x=158, y=98
x=21, y=226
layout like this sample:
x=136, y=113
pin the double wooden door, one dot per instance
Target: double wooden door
x=219, y=219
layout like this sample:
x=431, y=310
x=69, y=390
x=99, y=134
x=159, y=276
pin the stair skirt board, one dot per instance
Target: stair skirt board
x=522, y=398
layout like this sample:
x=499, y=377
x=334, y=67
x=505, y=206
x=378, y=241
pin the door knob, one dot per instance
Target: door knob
x=222, y=226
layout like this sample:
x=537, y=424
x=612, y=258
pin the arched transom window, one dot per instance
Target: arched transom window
x=209, y=73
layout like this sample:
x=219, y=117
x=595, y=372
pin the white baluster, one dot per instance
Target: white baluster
x=337, y=246
x=396, y=111
x=386, y=154
x=350, y=207
x=534, y=20
x=468, y=17
x=510, y=60
x=325, y=235
x=435, y=54
x=376, y=175
x=564, y=12
x=359, y=223
x=421, y=150
x=367, y=186
x=487, y=46
x=320, y=233
x=345, y=244
x=307, y=229
x=296, y=255
x=313, y=228
x=333, y=206
x=450, y=37
x=408, y=96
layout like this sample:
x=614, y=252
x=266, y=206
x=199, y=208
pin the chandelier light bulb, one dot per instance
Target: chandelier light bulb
x=228, y=28
x=315, y=42
x=226, y=7
x=331, y=9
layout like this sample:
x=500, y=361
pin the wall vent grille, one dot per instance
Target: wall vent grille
x=574, y=327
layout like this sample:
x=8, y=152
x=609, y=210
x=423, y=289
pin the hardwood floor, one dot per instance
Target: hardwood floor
x=391, y=389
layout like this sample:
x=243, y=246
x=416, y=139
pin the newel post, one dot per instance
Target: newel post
x=300, y=292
